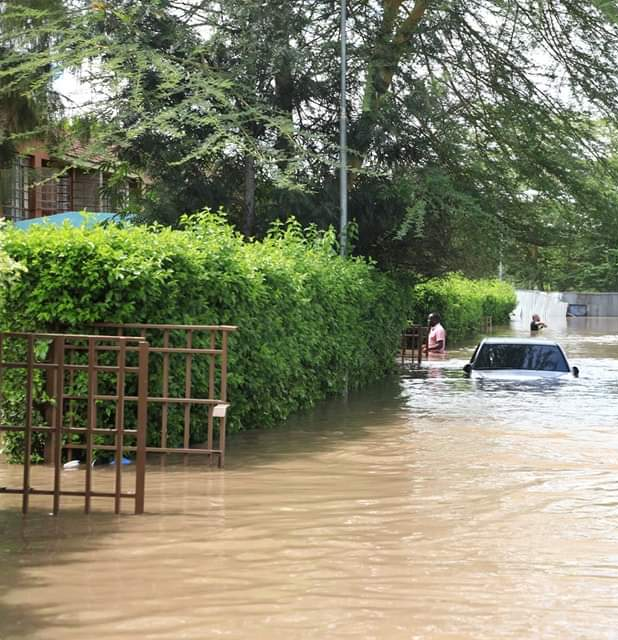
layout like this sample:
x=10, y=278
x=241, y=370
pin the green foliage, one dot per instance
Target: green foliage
x=28, y=102
x=456, y=139
x=10, y=270
x=579, y=250
x=462, y=303
x=13, y=405
x=310, y=321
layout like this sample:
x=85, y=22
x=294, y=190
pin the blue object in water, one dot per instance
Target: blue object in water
x=124, y=461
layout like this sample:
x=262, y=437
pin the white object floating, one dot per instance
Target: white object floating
x=220, y=410
x=73, y=464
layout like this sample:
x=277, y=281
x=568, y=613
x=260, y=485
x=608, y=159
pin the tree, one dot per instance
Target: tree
x=472, y=125
x=162, y=105
x=27, y=105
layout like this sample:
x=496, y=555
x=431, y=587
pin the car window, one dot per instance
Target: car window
x=538, y=357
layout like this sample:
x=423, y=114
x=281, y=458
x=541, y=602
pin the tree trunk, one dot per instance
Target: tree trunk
x=249, y=201
x=393, y=41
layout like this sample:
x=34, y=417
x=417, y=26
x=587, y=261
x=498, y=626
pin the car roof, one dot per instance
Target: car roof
x=519, y=341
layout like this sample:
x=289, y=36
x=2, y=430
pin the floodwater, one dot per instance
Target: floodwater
x=428, y=506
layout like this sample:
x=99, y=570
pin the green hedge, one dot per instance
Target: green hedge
x=10, y=270
x=310, y=321
x=462, y=303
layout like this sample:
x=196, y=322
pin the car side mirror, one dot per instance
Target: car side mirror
x=575, y=372
x=468, y=368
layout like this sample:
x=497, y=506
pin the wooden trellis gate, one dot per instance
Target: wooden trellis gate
x=116, y=375
x=186, y=346
x=71, y=381
x=413, y=339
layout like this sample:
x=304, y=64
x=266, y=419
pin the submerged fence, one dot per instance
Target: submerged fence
x=49, y=358
x=413, y=340
x=181, y=345
x=96, y=393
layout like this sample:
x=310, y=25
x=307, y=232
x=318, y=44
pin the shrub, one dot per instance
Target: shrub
x=462, y=303
x=10, y=270
x=310, y=321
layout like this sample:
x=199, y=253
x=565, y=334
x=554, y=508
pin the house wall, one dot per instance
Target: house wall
x=39, y=186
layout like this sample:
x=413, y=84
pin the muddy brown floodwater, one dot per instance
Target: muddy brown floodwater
x=427, y=506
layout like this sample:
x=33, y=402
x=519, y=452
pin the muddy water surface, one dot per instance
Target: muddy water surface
x=428, y=506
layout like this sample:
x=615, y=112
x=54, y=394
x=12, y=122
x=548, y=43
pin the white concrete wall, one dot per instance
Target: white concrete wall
x=599, y=304
x=553, y=304
x=548, y=305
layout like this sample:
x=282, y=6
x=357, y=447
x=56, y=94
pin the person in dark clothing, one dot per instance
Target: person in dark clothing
x=537, y=323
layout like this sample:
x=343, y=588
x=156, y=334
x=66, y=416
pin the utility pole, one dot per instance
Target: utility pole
x=343, y=169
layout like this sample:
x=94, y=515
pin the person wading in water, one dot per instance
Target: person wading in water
x=537, y=323
x=436, y=342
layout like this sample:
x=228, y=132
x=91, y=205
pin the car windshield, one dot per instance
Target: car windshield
x=538, y=357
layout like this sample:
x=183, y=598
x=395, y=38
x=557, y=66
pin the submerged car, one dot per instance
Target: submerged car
x=515, y=357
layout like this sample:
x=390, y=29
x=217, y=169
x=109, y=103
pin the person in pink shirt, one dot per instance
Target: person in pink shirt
x=436, y=342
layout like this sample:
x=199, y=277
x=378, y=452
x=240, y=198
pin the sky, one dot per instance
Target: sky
x=75, y=94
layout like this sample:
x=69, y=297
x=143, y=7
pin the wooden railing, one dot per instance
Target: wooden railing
x=92, y=392
x=175, y=341
x=413, y=339
x=50, y=356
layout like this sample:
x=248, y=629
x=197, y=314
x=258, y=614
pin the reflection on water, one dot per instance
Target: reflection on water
x=430, y=506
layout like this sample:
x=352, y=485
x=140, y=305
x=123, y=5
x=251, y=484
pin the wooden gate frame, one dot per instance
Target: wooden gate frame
x=56, y=366
x=217, y=404
x=417, y=334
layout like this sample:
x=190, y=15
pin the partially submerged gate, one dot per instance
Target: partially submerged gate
x=102, y=393
x=68, y=368
x=188, y=385
x=413, y=339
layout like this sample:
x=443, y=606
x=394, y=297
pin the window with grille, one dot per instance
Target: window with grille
x=55, y=189
x=15, y=189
